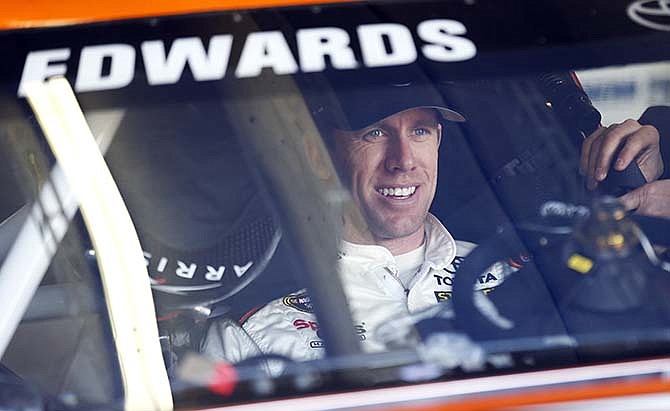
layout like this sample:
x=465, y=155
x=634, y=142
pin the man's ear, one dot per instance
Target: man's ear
x=439, y=134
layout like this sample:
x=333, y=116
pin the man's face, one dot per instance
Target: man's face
x=391, y=169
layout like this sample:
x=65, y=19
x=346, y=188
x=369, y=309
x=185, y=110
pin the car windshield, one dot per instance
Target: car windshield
x=356, y=195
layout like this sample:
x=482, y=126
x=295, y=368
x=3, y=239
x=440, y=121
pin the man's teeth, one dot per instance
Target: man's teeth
x=397, y=191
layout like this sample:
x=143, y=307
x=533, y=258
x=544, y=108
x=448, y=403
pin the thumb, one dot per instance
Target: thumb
x=632, y=199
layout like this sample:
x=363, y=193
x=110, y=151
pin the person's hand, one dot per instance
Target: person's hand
x=651, y=199
x=640, y=143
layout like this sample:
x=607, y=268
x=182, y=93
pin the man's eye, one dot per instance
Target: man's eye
x=373, y=134
x=421, y=132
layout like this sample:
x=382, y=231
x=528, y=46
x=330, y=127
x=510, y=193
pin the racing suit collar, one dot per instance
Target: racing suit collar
x=440, y=250
x=440, y=245
x=365, y=256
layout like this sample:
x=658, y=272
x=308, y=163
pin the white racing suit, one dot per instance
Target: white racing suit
x=288, y=327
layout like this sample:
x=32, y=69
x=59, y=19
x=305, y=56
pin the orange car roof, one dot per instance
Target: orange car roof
x=18, y=14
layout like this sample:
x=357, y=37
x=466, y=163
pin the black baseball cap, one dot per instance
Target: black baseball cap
x=352, y=100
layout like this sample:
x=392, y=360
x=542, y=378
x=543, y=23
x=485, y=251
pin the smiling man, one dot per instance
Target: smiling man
x=391, y=169
x=384, y=140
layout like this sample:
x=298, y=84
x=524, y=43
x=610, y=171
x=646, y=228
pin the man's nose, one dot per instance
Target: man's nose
x=400, y=155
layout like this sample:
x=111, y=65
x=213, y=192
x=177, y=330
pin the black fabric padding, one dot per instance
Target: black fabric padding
x=464, y=200
x=192, y=195
x=181, y=173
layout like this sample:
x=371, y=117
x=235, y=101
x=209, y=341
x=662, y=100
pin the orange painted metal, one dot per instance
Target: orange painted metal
x=16, y=14
x=545, y=396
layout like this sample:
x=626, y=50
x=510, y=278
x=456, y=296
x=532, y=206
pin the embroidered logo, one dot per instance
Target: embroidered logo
x=301, y=302
x=442, y=295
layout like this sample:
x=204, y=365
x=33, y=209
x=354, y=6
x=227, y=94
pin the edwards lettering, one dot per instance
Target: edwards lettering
x=112, y=66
